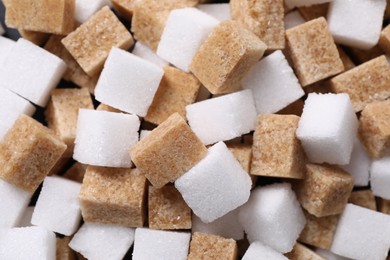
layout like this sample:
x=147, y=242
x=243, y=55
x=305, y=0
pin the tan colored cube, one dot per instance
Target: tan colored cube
x=301, y=252
x=325, y=189
x=58, y=168
x=361, y=56
x=366, y=83
x=125, y=7
x=76, y=172
x=37, y=38
x=347, y=61
x=384, y=206
x=207, y=246
x=374, y=128
x=243, y=154
x=265, y=18
x=64, y=252
x=314, y=11
x=91, y=43
x=363, y=198
x=177, y=90
x=384, y=40
x=168, y=151
x=313, y=52
x=276, y=150
x=28, y=152
x=167, y=209
x=295, y=108
x=113, y=196
x=322, y=86
x=226, y=56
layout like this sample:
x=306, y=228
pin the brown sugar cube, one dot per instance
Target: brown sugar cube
x=37, y=38
x=60, y=165
x=384, y=40
x=168, y=151
x=347, y=61
x=113, y=196
x=301, y=252
x=384, y=206
x=91, y=43
x=28, y=152
x=207, y=246
x=76, y=172
x=366, y=83
x=322, y=86
x=374, y=128
x=387, y=11
x=167, y=209
x=177, y=90
x=41, y=15
x=361, y=56
x=125, y=7
x=63, y=251
x=243, y=154
x=104, y=107
x=226, y=56
x=314, y=11
x=363, y=198
x=276, y=150
x=313, y=52
x=295, y=108
x=325, y=189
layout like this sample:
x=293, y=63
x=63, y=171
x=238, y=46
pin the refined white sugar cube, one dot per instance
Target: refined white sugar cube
x=5, y=47
x=97, y=241
x=31, y=72
x=273, y=84
x=143, y=134
x=13, y=203
x=184, y=32
x=273, y=216
x=86, y=8
x=259, y=251
x=362, y=234
x=356, y=23
x=157, y=244
x=380, y=177
x=216, y=185
x=293, y=19
x=219, y=11
x=144, y=52
x=57, y=208
x=296, y=3
x=329, y=255
x=33, y=243
x=104, y=138
x=25, y=221
x=128, y=82
x=328, y=128
x=223, y=118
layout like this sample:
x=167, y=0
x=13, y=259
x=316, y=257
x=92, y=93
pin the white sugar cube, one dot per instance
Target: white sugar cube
x=380, y=177
x=97, y=241
x=184, y=32
x=5, y=47
x=143, y=134
x=293, y=19
x=356, y=23
x=362, y=234
x=144, y=52
x=216, y=185
x=104, y=138
x=273, y=84
x=296, y=3
x=219, y=11
x=223, y=118
x=33, y=243
x=86, y=8
x=259, y=251
x=25, y=221
x=157, y=244
x=128, y=82
x=13, y=203
x=57, y=208
x=328, y=128
x=273, y=216
x=31, y=72
x=329, y=255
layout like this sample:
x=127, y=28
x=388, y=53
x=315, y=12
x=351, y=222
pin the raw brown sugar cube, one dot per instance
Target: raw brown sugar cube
x=76, y=172
x=62, y=112
x=113, y=196
x=347, y=61
x=37, y=38
x=60, y=165
x=41, y=15
x=91, y=43
x=325, y=189
x=167, y=209
x=314, y=11
x=28, y=152
x=177, y=89
x=361, y=56
x=374, y=128
x=226, y=56
x=207, y=246
x=125, y=7
x=168, y=151
x=313, y=52
x=363, y=198
x=276, y=150
x=63, y=251
x=265, y=18
x=365, y=83
x=384, y=40
x=243, y=154
x=384, y=206
x=301, y=252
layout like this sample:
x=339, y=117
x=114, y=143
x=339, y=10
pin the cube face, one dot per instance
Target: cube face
x=229, y=39
x=300, y=3
x=76, y=172
x=113, y=196
x=216, y=247
x=363, y=198
x=313, y=52
x=243, y=154
x=6, y=45
x=259, y=250
x=302, y=252
x=314, y=11
x=86, y=8
x=125, y=7
x=220, y=11
x=380, y=177
x=63, y=250
x=384, y=40
x=142, y=50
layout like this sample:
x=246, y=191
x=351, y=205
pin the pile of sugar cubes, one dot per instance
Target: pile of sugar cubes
x=190, y=129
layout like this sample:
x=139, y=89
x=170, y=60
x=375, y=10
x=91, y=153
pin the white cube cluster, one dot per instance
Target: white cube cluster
x=58, y=208
x=223, y=118
x=86, y=8
x=293, y=19
x=296, y=3
x=221, y=12
x=104, y=138
x=5, y=47
x=259, y=251
x=184, y=32
x=144, y=52
x=328, y=128
x=380, y=177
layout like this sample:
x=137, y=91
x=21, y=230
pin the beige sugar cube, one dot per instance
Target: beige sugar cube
x=264, y=18
x=63, y=251
x=177, y=89
x=384, y=206
x=277, y=152
x=168, y=151
x=301, y=252
x=363, y=198
x=207, y=246
x=313, y=52
x=28, y=152
x=322, y=86
x=113, y=196
x=384, y=40
x=125, y=7
x=314, y=11
x=361, y=56
x=243, y=154
x=226, y=56
x=167, y=209
x=76, y=172
x=347, y=61
x=364, y=84
x=58, y=168
x=37, y=38
x=325, y=189
x=91, y=43
x=374, y=128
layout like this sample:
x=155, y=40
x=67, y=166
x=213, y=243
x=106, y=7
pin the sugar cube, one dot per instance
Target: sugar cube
x=214, y=247
x=219, y=11
x=302, y=252
x=384, y=40
x=6, y=45
x=143, y=134
x=363, y=198
x=143, y=51
x=380, y=177
x=329, y=255
x=63, y=250
x=259, y=251
x=76, y=172
x=125, y=8
x=314, y=11
x=86, y=8
x=293, y=19
x=25, y=220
